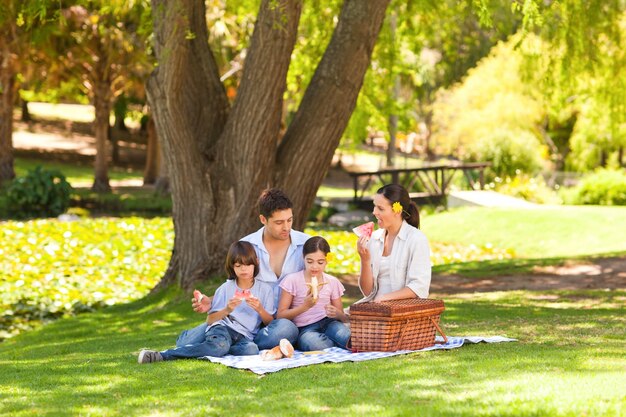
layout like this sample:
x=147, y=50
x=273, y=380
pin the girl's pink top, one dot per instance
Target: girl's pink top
x=295, y=285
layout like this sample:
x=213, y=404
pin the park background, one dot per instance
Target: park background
x=101, y=155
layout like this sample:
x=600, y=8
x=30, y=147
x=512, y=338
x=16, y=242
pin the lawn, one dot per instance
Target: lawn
x=75, y=173
x=545, y=232
x=569, y=361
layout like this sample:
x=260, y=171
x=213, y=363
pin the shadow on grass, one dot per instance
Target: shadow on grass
x=87, y=365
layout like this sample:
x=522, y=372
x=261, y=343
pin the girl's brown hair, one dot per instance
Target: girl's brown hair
x=243, y=253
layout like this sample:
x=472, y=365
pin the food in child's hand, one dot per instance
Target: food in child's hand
x=286, y=348
x=243, y=294
x=315, y=286
x=273, y=354
x=364, y=229
x=198, y=295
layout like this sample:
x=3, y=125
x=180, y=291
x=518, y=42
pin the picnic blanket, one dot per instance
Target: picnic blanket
x=257, y=365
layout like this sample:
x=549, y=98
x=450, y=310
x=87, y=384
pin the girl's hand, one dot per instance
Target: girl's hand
x=331, y=311
x=254, y=302
x=361, y=247
x=233, y=303
x=309, y=301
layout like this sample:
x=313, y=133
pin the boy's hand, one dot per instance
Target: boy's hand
x=254, y=302
x=233, y=303
x=203, y=304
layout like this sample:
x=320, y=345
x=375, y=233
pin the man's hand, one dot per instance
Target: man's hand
x=203, y=305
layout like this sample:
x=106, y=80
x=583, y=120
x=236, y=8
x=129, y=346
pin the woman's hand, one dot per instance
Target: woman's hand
x=361, y=247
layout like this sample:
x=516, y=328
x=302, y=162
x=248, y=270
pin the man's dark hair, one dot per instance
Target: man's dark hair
x=271, y=200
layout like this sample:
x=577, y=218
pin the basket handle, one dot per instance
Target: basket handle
x=404, y=327
x=445, y=338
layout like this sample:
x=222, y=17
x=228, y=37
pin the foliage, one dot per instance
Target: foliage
x=41, y=193
x=508, y=151
x=577, y=65
x=604, y=187
x=533, y=189
x=568, y=362
x=418, y=48
x=51, y=268
x=492, y=115
x=596, y=139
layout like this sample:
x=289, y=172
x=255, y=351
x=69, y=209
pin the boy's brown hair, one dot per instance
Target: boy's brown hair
x=243, y=253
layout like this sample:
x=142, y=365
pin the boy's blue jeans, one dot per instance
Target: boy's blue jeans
x=268, y=337
x=218, y=341
x=323, y=334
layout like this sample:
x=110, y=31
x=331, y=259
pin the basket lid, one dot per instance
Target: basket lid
x=394, y=307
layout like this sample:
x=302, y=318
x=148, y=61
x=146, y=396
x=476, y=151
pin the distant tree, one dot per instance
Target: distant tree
x=104, y=46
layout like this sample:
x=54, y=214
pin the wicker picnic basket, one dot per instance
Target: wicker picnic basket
x=408, y=324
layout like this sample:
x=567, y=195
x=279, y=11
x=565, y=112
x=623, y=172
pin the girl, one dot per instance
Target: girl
x=312, y=300
x=395, y=261
x=239, y=307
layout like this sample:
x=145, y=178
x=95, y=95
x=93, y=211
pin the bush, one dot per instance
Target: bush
x=530, y=189
x=509, y=152
x=41, y=193
x=603, y=187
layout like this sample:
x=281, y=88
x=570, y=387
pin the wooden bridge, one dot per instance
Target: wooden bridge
x=434, y=180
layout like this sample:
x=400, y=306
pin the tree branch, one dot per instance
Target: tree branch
x=328, y=103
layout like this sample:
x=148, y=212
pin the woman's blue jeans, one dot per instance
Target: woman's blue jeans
x=323, y=334
x=268, y=337
x=218, y=341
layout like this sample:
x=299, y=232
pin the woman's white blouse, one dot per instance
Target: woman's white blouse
x=409, y=261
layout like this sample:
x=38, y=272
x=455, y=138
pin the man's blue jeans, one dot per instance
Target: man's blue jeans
x=218, y=341
x=268, y=337
x=323, y=334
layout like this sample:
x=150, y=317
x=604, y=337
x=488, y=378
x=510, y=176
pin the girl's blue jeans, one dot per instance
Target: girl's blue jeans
x=323, y=334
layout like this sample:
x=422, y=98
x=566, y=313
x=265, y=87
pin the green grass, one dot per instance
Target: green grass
x=75, y=173
x=569, y=361
x=558, y=231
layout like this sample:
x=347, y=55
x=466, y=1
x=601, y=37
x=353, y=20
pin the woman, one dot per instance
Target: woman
x=395, y=261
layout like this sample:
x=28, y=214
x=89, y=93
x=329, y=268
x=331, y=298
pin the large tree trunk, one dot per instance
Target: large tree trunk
x=220, y=158
x=7, y=83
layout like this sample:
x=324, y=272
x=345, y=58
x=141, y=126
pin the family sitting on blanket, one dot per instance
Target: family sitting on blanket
x=395, y=264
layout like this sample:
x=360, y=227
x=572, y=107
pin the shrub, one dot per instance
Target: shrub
x=41, y=193
x=530, y=189
x=603, y=187
x=509, y=152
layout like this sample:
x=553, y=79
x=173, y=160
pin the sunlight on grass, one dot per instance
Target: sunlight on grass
x=539, y=375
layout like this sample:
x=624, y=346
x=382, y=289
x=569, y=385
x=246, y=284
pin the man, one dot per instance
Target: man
x=279, y=249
